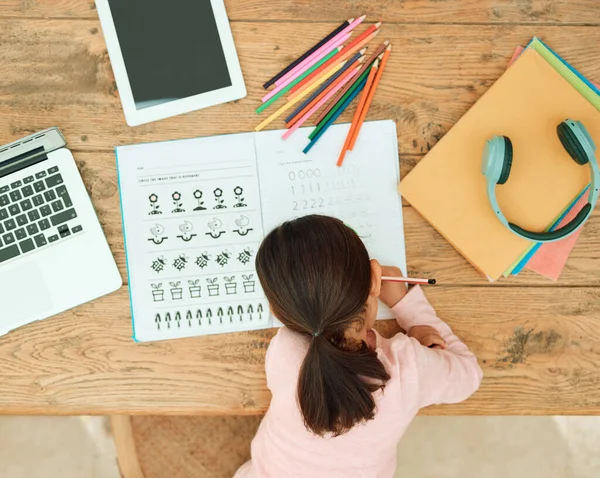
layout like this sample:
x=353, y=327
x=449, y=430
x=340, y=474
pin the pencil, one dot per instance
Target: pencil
x=325, y=85
x=273, y=99
x=306, y=80
x=354, y=93
x=355, y=84
x=367, y=64
x=307, y=53
x=325, y=92
x=311, y=111
x=288, y=105
x=317, y=59
x=350, y=49
x=409, y=280
x=345, y=31
x=361, y=102
x=365, y=110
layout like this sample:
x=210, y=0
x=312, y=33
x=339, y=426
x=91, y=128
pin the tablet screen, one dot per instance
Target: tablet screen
x=171, y=49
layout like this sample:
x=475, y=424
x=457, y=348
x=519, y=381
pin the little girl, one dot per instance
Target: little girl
x=342, y=394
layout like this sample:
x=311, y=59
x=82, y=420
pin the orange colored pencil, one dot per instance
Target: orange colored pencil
x=324, y=93
x=369, y=100
x=344, y=90
x=349, y=50
x=357, y=113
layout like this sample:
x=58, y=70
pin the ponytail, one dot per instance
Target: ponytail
x=335, y=387
x=316, y=274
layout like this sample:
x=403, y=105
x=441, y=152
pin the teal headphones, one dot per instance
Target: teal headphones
x=497, y=161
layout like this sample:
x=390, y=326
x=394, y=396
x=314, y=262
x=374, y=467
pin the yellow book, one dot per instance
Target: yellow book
x=448, y=189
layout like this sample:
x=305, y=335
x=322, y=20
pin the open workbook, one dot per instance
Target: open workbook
x=195, y=212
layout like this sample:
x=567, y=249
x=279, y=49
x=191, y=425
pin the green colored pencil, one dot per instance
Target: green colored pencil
x=265, y=105
x=342, y=100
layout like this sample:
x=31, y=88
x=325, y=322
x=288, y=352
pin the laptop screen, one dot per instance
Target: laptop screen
x=171, y=49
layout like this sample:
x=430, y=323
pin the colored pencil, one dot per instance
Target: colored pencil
x=345, y=31
x=369, y=100
x=409, y=280
x=361, y=102
x=325, y=92
x=288, y=105
x=350, y=49
x=366, y=65
x=325, y=85
x=312, y=59
x=307, y=53
x=335, y=115
x=273, y=99
x=355, y=84
x=307, y=82
x=310, y=112
x=291, y=79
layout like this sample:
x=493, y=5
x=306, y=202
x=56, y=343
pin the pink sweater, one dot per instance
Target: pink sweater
x=420, y=377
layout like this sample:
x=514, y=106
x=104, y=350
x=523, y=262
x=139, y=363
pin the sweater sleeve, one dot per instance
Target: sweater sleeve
x=445, y=376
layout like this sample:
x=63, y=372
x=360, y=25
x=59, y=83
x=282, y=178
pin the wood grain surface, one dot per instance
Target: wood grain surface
x=540, y=348
x=579, y=12
x=538, y=341
x=58, y=73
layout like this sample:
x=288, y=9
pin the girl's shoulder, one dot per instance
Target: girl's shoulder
x=284, y=359
x=287, y=345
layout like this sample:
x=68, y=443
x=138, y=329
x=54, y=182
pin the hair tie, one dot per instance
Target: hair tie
x=316, y=334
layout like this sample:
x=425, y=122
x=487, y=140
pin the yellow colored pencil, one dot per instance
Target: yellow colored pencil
x=296, y=100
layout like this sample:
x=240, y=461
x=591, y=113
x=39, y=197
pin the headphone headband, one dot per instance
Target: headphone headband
x=497, y=161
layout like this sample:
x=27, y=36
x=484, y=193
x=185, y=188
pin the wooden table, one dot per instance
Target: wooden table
x=539, y=342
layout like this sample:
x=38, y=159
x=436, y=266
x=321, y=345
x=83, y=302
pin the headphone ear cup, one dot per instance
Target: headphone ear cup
x=571, y=144
x=507, y=162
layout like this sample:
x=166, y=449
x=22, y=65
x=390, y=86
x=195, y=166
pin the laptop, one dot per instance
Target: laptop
x=53, y=253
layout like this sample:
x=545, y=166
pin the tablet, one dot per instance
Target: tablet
x=170, y=57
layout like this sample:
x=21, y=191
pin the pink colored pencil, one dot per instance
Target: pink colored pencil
x=296, y=70
x=408, y=280
x=281, y=86
x=324, y=100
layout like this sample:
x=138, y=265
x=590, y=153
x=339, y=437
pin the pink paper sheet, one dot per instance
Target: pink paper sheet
x=550, y=259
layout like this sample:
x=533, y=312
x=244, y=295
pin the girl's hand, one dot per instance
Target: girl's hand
x=428, y=337
x=392, y=292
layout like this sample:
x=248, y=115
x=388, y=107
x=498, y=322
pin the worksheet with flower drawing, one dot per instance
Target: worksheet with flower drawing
x=192, y=226
x=195, y=212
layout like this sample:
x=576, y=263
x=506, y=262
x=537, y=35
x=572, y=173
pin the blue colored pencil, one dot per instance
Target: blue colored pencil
x=325, y=85
x=336, y=115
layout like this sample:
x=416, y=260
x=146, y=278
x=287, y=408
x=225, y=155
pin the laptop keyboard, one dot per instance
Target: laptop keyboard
x=34, y=212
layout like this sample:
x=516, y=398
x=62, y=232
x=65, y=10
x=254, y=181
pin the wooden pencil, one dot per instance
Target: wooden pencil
x=307, y=82
x=350, y=49
x=335, y=115
x=366, y=65
x=274, y=98
x=356, y=84
x=345, y=31
x=307, y=53
x=324, y=93
x=361, y=102
x=409, y=280
x=325, y=85
x=288, y=105
x=301, y=120
x=336, y=47
x=369, y=100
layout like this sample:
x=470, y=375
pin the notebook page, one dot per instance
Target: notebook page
x=362, y=193
x=192, y=226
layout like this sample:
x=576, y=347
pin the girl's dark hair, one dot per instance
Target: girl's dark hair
x=316, y=274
